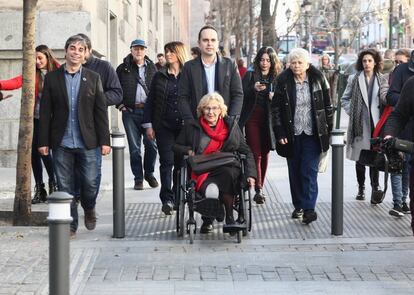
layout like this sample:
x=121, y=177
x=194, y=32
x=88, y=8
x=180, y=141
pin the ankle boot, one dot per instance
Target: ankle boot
x=361, y=193
x=52, y=187
x=377, y=195
x=40, y=194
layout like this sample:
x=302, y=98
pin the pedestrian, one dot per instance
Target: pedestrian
x=400, y=182
x=328, y=70
x=163, y=121
x=362, y=101
x=195, y=52
x=303, y=120
x=45, y=62
x=256, y=117
x=399, y=119
x=135, y=75
x=209, y=73
x=73, y=124
x=113, y=94
x=161, y=61
x=240, y=66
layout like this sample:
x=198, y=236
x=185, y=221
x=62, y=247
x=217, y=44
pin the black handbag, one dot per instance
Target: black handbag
x=206, y=163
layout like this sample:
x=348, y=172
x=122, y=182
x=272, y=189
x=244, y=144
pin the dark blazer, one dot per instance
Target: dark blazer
x=193, y=86
x=190, y=135
x=250, y=101
x=128, y=77
x=92, y=112
x=284, y=105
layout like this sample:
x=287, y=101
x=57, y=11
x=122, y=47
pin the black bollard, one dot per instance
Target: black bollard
x=337, y=143
x=59, y=220
x=118, y=178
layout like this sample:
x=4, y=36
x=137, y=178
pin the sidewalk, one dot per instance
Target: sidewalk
x=281, y=256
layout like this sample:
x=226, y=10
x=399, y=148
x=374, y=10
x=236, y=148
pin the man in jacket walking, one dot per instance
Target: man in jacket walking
x=135, y=75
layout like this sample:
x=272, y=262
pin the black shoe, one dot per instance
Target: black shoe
x=206, y=227
x=309, y=216
x=405, y=208
x=138, y=185
x=40, y=194
x=297, y=213
x=151, y=181
x=377, y=195
x=52, y=187
x=167, y=208
x=361, y=193
x=259, y=197
x=396, y=211
x=230, y=221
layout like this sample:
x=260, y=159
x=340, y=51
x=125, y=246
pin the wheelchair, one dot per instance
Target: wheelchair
x=189, y=201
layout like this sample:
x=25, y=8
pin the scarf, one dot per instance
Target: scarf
x=217, y=137
x=355, y=118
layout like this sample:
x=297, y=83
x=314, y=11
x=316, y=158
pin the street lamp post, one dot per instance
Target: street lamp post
x=288, y=14
x=306, y=8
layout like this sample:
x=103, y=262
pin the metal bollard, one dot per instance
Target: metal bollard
x=337, y=217
x=59, y=220
x=118, y=146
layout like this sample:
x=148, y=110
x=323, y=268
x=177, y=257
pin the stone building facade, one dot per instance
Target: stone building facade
x=111, y=25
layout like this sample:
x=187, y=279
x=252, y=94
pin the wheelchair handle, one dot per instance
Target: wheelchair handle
x=404, y=146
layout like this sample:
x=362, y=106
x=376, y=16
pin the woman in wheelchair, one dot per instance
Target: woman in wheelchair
x=214, y=131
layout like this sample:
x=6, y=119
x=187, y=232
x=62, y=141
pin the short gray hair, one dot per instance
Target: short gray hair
x=299, y=53
x=76, y=39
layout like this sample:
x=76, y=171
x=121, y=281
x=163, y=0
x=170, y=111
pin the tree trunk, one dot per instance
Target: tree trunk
x=251, y=26
x=22, y=199
x=268, y=23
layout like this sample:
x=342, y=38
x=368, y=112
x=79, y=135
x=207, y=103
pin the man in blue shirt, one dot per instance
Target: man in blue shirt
x=74, y=124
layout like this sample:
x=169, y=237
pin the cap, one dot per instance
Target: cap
x=138, y=42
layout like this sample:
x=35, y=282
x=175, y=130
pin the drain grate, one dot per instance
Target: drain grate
x=145, y=221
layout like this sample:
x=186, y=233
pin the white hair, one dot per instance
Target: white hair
x=299, y=53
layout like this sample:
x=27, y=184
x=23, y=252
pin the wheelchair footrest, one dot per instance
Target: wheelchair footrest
x=232, y=228
x=209, y=208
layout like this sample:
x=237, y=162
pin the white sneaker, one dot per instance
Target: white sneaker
x=212, y=191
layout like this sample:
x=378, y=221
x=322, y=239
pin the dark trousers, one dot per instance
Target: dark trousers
x=257, y=137
x=169, y=163
x=66, y=161
x=303, y=171
x=373, y=175
x=37, y=159
x=412, y=195
x=98, y=177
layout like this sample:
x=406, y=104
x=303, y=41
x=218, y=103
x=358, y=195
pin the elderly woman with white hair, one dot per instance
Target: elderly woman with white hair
x=302, y=120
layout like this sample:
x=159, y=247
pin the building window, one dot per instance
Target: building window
x=125, y=7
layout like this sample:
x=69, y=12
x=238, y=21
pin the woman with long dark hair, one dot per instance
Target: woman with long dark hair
x=162, y=119
x=45, y=62
x=256, y=119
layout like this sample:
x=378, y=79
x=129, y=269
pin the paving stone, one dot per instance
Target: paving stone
x=284, y=271
x=254, y=277
x=192, y=277
x=398, y=276
x=253, y=270
x=239, y=276
x=335, y=276
x=208, y=275
x=316, y=270
x=368, y=276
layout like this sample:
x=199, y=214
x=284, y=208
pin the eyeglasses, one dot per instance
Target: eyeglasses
x=211, y=109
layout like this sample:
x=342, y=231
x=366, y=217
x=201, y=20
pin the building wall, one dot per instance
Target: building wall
x=111, y=25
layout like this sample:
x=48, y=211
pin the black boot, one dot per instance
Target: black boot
x=52, y=187
x=361, y=193
x=40, y=194
x=377, y=195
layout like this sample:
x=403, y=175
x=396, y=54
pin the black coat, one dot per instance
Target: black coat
x=284, y=104
x=193, y=86
x=157, y=99
x=189, y=139
x=110, y=82
x=92, y=112
x=128, y=77
x=250, y=101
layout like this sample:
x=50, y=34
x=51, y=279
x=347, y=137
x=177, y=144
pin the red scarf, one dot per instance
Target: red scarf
x=217, y=137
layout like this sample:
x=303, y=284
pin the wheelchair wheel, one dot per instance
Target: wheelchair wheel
x=181, y=215
x=247, y=212
x=191, y=232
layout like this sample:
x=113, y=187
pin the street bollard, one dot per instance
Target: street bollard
x=337, y=143
x=59, y=220
x=118, y=146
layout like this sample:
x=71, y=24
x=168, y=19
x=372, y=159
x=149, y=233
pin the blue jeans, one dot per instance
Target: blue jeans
x=66, y=161
x=168, y=162
x=400, y=183
x=303, y=171
x=98, y=178
x=132, y=123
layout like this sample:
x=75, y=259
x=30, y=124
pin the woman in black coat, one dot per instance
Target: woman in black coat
x=255, y=118
x=162, y=119
x=213, y=132
x=303, y=120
